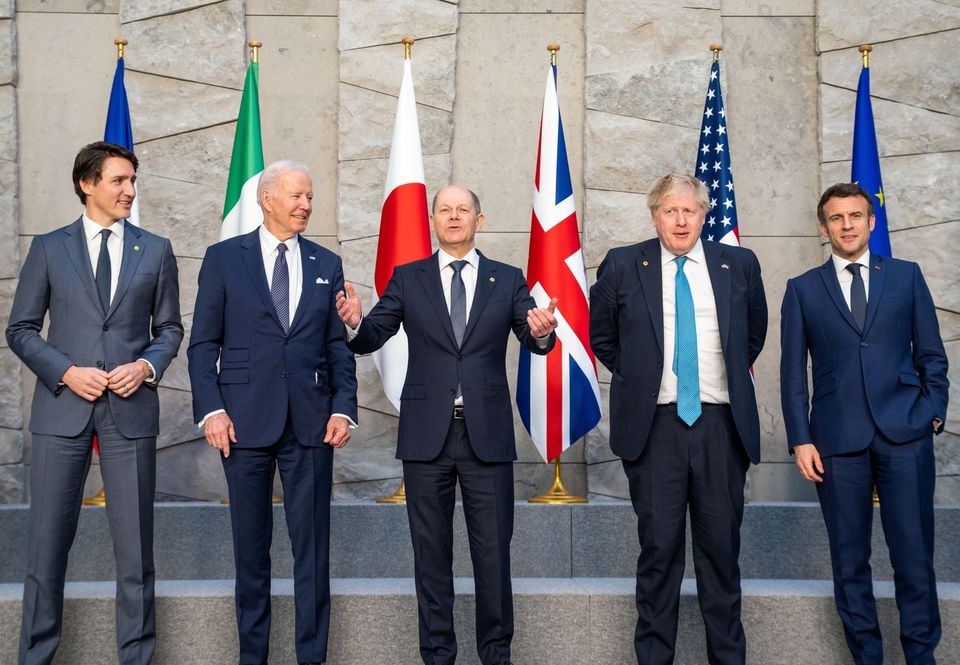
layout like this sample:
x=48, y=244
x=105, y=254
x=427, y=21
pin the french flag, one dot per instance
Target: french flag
x=557, y=395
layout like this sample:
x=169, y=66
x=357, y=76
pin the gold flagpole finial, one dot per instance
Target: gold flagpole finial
x=865, y=52
x=120, y=42
x=254, y=45
x=407, y=42
x=553, y=48
x=715, y=49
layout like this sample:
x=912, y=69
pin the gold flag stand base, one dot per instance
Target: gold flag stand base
x=558, y=493
x=400, y=496
x=98, y=499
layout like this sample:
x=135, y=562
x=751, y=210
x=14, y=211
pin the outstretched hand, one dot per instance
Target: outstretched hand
x=542, y=322
x=348, y=306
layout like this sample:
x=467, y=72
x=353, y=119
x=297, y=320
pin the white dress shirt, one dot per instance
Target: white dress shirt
x=268, y=250
x=845, y=277
x=712, y=370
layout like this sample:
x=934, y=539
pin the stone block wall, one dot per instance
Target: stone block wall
x=632, y=79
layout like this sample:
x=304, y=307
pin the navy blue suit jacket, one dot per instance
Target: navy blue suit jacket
x=891, y=376
x=414, y=297
x=143, y=321
x=626, y=334
x=264, y=373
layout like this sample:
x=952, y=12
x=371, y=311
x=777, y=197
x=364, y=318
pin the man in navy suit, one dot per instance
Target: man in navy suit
x=283, y=395
x=456, y=416
x=111, y=292
x=679, y=322
x=880, y=387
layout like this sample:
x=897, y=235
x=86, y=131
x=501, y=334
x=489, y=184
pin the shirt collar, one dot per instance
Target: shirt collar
x=91, y=229
x=840, y=264
x=269, y=242
x=445, y=259
x=695, y=254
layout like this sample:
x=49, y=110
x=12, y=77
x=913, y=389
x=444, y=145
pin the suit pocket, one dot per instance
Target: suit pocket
x=910, y=379
x=233, y=375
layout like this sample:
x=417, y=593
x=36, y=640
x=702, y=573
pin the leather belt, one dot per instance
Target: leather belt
x=458, y=411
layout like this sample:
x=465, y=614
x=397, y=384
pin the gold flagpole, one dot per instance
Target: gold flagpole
x=558, y=492
x=716, y=48
x=100, y=498
x=400, y=496
x=254, y=50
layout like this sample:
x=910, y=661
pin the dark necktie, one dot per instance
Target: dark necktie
x=280, y=287
x=685, y=350
x=103, y=271
x=858, y=295
x=458, y=301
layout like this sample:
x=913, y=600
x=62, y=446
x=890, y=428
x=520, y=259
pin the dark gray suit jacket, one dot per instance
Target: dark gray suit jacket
x=143, y=321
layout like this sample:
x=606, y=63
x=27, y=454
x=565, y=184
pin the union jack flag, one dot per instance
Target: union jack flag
x=557, y=394
x=713, y=167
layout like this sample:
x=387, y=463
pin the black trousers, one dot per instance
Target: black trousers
x=703, y=467
x=487, y=491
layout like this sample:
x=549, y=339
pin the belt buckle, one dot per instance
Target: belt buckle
x=458, y=411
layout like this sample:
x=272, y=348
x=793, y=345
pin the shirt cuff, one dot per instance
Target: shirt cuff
x=212, y=413
x=352, y=423
x=542, y=342
x=152, y=377
x=351, y=333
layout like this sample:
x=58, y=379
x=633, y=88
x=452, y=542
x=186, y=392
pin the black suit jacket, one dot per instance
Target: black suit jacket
x=626, y=333
x=414, y=297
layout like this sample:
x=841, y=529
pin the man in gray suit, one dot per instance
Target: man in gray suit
x=111, y=292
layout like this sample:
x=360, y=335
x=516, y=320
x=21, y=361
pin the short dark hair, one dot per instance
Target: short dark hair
x=89, y=163
x=476, y=199
x=843, y=190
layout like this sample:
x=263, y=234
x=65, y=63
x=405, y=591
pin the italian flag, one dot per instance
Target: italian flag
x=241, y=210
x=404, y=226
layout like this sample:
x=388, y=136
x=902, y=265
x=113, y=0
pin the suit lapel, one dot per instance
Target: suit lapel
x=252, y=261
x=76, y=245
x=649, y=272
x=433, y=288
x=129, y=262
x=877, y=274
x=828, y=274
x=310, y=270
x=719, y=270
x=486, y=283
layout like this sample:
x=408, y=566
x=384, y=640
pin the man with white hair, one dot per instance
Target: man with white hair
x=274, y=386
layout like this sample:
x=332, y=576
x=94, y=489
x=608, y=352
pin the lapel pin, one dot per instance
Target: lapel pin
x=725, y=266
x=136, y=248
x=312, y=258
x=646, y=263
x=493, y=279
x=876, y=267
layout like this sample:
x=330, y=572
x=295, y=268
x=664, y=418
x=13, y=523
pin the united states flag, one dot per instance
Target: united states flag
x=713, y=167
x=557, y=394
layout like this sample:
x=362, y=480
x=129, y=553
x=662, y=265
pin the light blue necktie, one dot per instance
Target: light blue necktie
x=685, y=350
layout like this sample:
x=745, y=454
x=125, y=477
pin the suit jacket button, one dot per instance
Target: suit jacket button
x=459, y=357
x=654, y=394
x=864, y=345
x=283, y=375
x=453, y=393
x=100, y=364
x=106, y=328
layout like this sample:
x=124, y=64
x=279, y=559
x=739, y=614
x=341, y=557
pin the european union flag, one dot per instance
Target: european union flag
x=866, y=165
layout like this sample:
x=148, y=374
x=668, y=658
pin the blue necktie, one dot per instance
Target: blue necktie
x=685, y=350
x=280, y=288
x=103, y=271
